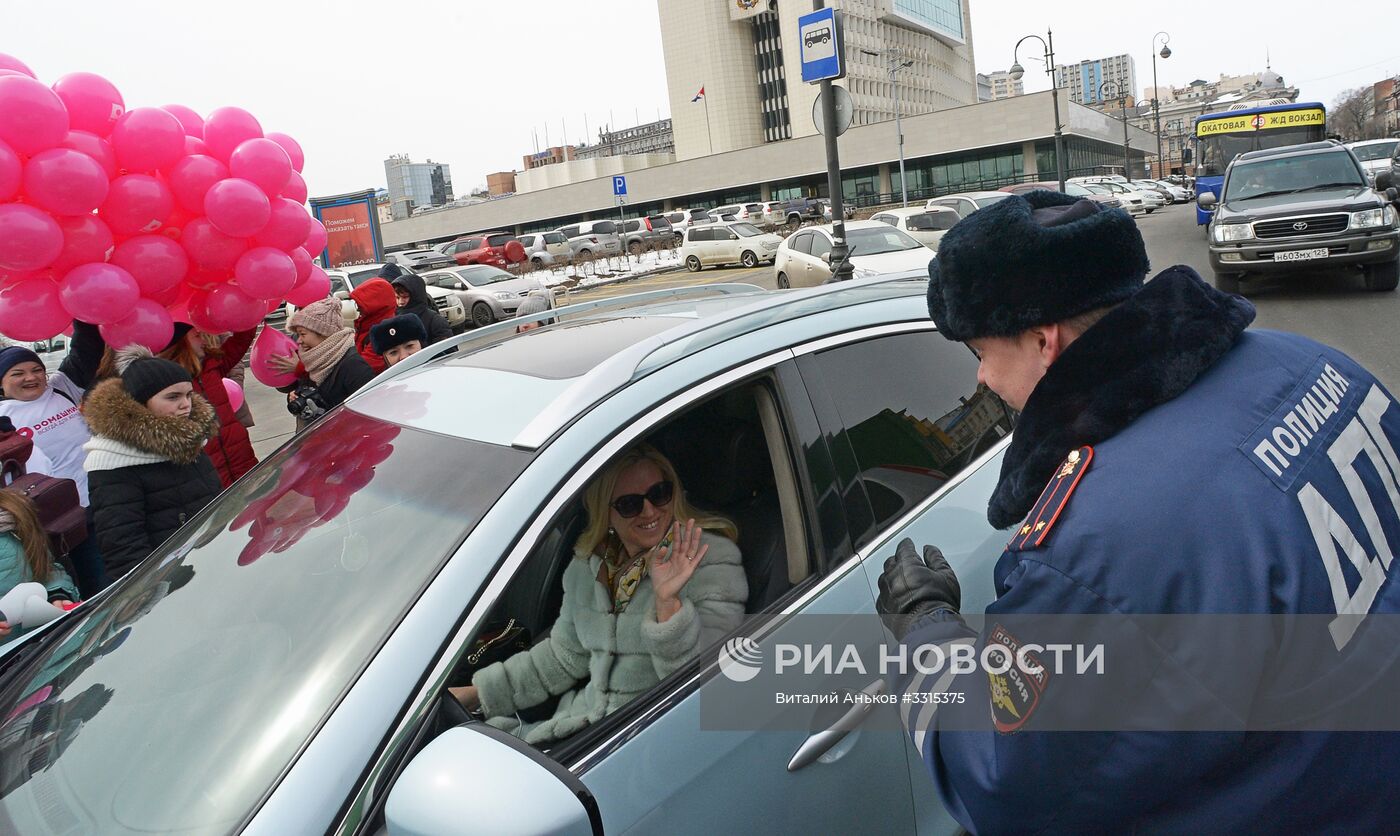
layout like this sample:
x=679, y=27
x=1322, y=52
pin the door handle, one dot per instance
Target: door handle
x=820, y=742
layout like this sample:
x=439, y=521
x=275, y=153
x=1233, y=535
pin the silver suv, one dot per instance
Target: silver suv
x=545, y=248
x=591, y=238
x=653, y=232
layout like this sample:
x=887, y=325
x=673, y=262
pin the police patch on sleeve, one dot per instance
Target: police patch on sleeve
x=1016, y=692
x=1032, y=533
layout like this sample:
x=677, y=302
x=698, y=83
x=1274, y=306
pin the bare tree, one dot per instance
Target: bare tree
x=1354, y=112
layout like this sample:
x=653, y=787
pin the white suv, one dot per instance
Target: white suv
x=737, y=242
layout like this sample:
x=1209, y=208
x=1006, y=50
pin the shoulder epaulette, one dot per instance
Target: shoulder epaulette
x=1053, y=500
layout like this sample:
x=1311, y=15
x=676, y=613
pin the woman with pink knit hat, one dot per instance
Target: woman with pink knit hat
x=331, y=369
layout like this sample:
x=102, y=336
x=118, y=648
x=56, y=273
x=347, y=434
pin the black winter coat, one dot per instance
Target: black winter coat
x=421, y=305
x=147, y=475
x=349, y=374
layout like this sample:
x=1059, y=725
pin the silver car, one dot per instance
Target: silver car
x=592, y=238
x=653, y=232
x=489, y=294
x=280, y=664
x=546, y=248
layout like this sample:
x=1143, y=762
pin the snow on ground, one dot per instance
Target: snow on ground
x=586, y=274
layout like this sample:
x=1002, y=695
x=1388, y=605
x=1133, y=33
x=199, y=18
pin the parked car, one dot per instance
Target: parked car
x=492, y=248
x=1132, y=201
x=591, y=238
x=848, y=210
x=927, y=226
x=773, y=214
x=965, y=203
x=417, y=260
x=1374, y=154
x=736, y=242
x=52, y=351
x=751, y=212
x=346, y=279
x=489, y=294
x=876, y=248
x=651, y=232
x=802, y=210
x=1102, y=197
x=545, y=248
x=453, y=496
x=1177, y=194
x=1152, y=198
x=1300, y=208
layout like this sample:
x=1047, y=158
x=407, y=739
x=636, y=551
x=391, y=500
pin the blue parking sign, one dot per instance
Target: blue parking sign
x=619, y=185
x=819, y=35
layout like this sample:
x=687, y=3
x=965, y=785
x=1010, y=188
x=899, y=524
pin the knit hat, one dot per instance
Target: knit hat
x=536, y=303
x=144, y=375
x=1032, y=260
x=390, y=271
x=321, y=317
x=396, y=331
x=181, y=329
x=14, y=355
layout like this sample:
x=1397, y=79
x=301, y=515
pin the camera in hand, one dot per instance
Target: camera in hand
x=305, y=402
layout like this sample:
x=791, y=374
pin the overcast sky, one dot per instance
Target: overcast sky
x=477, y=84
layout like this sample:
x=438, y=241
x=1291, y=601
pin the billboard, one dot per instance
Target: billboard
x=352, y=229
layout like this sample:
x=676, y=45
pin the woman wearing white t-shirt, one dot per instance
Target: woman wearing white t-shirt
x=44, y=407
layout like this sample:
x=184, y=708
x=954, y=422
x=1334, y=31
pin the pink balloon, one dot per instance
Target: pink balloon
x=292, y=147
x=195, y=145
x=235, y=394
x=148, y=324
x=35, y=118
x=316, y=239
x=147, y=139
x=262, y=162
x=11, y=172
x=137, y=203
x=9, y=62
x=30, y=310
x=198, y=314
x=237, y=207
x=29, y=238
x=96, y=147
x=85, y=239
x=192, y=122
x=271, y=343
x=316, y=287
x=201, y=278
x=302, y=259
x=265, y=273
x=98, y=293
x=230, y=309
x=287, y=228
x=65, y=182
x=191, y=178
x=156, y=262
x=209, y=248
x=295, y=190
x=228, y=127
x=93, y=103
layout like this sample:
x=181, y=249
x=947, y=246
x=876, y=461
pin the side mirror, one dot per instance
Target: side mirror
x=826, y=257
x=1384, y=180
x=478, y=779
x=1207, y=201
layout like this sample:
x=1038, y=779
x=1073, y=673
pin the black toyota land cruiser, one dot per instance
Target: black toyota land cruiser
x=1298, y=208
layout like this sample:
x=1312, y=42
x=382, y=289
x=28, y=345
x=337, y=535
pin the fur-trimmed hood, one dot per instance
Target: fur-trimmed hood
x=111, y=414
x=1145, y=352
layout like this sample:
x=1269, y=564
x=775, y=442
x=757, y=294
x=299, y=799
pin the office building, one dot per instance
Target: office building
x=1084, y=79
x=1004, y=86
x=500, y=183
x=416, y=185
x=735, y=78
x=549, y=156
x=651, y=138
x=984, y=87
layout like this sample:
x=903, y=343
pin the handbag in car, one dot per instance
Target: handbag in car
x=498, y=641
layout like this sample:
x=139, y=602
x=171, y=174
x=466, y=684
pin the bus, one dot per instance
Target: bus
x=1220, y=137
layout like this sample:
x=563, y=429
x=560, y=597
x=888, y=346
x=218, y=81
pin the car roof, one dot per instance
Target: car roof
x=972, y=195
x=910, y=211
x=1323, y=147
x=557, y=373
x=1391, y=140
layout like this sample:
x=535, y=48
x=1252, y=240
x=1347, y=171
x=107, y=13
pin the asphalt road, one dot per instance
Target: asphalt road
x=1333, y=308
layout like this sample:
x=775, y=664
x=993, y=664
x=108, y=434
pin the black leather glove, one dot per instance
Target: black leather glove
x=914, y=586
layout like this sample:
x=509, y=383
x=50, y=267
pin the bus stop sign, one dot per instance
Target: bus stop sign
x=820, y=47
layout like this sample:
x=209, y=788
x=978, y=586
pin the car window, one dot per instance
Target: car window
x=874, y=241
x=821, y=245
x=1375, y=151
x=1292, y=174
x=447, y=280
x=526, y=241
x=480, y=274
x=555, y=238
x=338, y=284
x=802, y=243
x=745, y=230
x=932, y=221
x=913, y=414
x=886, y=219
x=569, y=231
x=602, y=228
x=499, y=240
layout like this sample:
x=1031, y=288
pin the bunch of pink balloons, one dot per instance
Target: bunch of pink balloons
x=135, y=219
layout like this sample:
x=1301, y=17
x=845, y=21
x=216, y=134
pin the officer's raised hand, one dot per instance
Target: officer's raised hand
x=912, y=585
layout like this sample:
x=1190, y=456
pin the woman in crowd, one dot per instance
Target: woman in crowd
x=376, y=300
x=327, y=360
x=653, y=581
x=46, y=405
x=25, y=556
x=146, y=464
x=209, y=359
x=413, y=299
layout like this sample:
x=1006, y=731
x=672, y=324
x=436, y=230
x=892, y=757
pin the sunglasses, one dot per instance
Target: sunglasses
x=630, y=505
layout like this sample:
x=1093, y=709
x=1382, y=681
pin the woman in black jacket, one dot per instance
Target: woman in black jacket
x=414, y=299
x=147, y=470
x=330, y=368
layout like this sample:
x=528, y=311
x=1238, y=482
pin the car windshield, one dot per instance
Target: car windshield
x=746, y=230
x=984, y=202
x=1375, y=151
x=602, y=228
x=358, y=276
x=176, y=702
x=885, y=239
x=420, y=253
x=483, y=274
x=499, y=240
x=1093, y=188
x=1076, y=190
x=932, y=221
x=1292, y=174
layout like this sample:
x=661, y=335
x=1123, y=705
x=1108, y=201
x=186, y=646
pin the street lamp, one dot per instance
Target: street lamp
x=1048, y=42
x=1166, y=53
x=1123, y=103
x=893, y=65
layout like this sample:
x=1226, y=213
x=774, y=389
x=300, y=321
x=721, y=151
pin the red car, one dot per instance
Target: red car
x=498, y=249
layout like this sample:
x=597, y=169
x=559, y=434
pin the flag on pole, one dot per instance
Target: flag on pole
x=698, y=96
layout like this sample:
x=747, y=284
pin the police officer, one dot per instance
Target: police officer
x=1165, y=461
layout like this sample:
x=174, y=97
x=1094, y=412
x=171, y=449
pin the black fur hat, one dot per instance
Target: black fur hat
x=397, y=330
x=1032, y=260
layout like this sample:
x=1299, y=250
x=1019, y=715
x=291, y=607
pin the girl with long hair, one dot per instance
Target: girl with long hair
x=24, y=553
